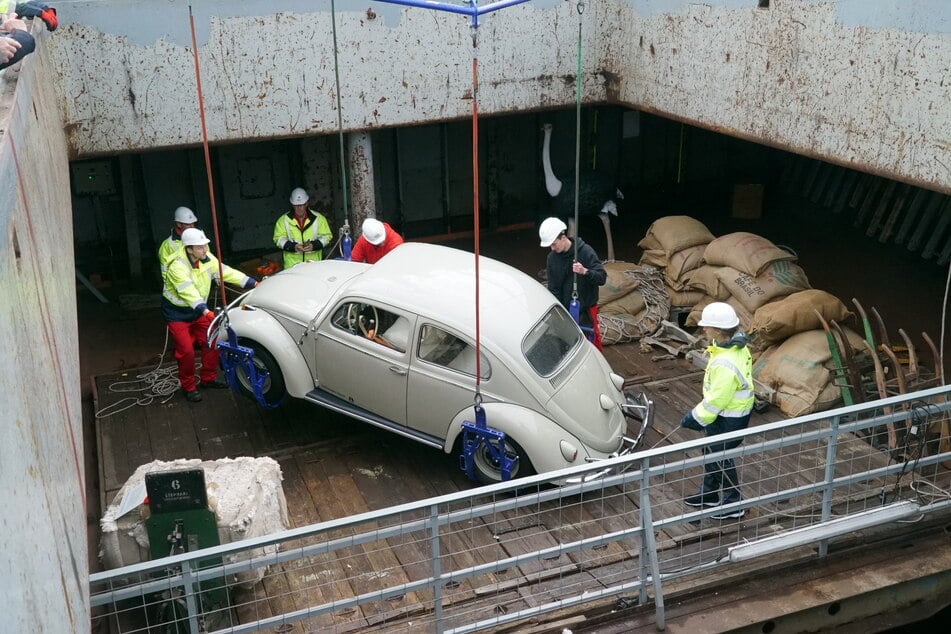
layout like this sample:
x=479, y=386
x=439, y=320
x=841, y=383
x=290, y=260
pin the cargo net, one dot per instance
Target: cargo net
x=624, y=327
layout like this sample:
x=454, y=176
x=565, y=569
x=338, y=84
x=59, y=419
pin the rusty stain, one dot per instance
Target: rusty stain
x=382, y=100
x=728, y=57
x=653, y=52
x=371, y=14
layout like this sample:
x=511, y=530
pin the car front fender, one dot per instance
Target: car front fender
x=537, y=434
x=262, y=328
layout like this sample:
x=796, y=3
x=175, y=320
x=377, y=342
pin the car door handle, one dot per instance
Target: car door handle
x=396, y=370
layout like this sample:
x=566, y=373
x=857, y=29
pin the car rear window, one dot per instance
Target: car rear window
x=550, y=341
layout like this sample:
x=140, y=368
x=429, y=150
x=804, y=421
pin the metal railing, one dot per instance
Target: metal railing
x=483, y=558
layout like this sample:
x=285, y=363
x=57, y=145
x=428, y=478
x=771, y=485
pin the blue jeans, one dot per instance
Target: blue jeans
x=722, y=474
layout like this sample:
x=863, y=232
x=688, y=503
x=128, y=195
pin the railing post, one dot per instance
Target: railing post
x=191, y=606
x=828, y=478
x=647, y=525
x=437, y=567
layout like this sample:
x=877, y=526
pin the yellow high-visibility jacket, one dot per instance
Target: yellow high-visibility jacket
x=187, y=286
x=167, y=250
x=287, y=234
x=727, y=382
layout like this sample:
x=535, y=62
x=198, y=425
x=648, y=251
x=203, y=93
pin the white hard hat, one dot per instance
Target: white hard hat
x=719, y=315
x=374, y=231
x=299, y=196
x=185, y=215
x=550, y=229
x=194, y=237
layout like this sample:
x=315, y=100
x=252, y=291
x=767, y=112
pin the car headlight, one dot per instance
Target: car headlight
x=568, y=451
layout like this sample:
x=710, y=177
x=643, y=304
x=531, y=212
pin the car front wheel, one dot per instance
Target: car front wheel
x=272, y=390
x=488, y=469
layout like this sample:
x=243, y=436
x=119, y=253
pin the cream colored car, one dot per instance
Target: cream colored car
x=394, y=344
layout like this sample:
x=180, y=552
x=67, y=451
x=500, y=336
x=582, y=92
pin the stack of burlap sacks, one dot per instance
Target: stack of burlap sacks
x=769, y=291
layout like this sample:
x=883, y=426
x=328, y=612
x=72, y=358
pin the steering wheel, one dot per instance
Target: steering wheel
x=363, y=318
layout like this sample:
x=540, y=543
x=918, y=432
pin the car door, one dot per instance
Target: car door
x=442, y=379
x=363, y=356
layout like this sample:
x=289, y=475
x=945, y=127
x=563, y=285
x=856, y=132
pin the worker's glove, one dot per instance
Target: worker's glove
x=39, y=10
x=316, y=246
x=290, y=247
x=250, y=283
x=689, y=422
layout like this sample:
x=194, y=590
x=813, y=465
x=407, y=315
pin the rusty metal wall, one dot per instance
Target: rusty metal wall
x=860, y=84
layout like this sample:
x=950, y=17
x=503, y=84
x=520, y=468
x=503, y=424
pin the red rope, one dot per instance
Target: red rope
x=475, y=202
x=204, y=142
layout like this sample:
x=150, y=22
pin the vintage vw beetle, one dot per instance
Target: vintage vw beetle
x=393, y=344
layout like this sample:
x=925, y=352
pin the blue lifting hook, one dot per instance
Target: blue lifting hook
x=234, y=356
x=479, y=435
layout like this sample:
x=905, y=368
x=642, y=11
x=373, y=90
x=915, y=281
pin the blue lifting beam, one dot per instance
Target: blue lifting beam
x=479, y=435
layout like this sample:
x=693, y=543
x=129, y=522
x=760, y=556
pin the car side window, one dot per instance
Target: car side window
x=373, y=324
x=449, y=351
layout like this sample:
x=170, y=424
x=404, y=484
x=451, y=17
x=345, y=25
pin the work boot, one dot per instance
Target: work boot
x=729, y=497
x=193, y=397
x=704, y=498
x=215, y=384
x=729, y=514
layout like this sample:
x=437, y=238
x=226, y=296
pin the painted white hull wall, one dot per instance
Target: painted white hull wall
x=44, y=552
x=861, y=83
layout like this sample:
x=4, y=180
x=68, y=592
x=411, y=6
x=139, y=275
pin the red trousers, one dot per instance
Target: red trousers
x=185, y=335
x=593, y=311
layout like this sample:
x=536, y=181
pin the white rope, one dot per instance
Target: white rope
x=158, y=383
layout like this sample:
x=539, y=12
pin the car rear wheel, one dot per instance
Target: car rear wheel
x=273, y=390
x=488, y=469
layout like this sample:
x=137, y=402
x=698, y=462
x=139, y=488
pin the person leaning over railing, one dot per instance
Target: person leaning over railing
x=15, y=39
x=15, y=42
x=726, y=406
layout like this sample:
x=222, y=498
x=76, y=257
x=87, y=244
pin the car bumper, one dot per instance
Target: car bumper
x=637, y=408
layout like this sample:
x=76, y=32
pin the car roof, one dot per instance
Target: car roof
x=439, y=282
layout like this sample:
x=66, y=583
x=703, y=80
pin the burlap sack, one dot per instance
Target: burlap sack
x=746, y=252
x=683, y=299
x=654, y=257
x=674, y=233
x=779, y=279
x=778, y=320
x=705, y=280
x=681, y=263
x=618, y=283
x=620, y=328
x=630, y=304
x=801, y=371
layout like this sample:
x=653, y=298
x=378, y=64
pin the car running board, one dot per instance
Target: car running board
x=337, y=404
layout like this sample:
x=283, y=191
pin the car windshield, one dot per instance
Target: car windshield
x=550, y=341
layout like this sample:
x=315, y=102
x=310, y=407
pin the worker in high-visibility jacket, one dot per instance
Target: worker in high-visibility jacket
x=184, y=219
x=187, y=284
x=301, y=233
x=726, y=406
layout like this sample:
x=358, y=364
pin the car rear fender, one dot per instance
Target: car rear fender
x=538, y=435
x=262, y=328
